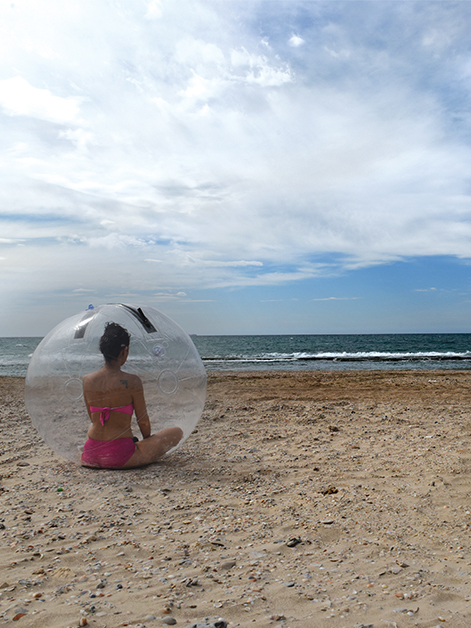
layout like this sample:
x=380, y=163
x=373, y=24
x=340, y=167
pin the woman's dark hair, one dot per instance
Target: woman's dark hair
x=113, y=341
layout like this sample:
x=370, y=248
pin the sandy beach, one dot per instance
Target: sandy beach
x=337, y=499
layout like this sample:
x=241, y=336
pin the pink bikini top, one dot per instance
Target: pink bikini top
x=105, y=412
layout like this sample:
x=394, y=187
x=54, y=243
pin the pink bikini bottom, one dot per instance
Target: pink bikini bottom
x=108, y=454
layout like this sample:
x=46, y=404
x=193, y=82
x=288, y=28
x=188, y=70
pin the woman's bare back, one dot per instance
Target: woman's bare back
x=113, y=389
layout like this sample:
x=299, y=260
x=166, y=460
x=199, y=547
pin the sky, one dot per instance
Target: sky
x=243, y=166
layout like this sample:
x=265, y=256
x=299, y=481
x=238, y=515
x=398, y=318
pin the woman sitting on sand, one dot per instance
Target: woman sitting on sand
x=111, y=396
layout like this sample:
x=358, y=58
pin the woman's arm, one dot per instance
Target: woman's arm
x=85, y=395
x=140, y=408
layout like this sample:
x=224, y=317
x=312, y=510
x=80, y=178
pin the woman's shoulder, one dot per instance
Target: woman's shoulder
x=89, y=378
x=132, y=381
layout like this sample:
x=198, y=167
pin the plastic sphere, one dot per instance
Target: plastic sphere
x=160, y=353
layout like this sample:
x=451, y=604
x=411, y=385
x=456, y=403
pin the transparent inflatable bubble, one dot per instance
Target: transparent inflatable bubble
x=160, y=353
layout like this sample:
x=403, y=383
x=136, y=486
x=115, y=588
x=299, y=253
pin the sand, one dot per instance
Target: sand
x=302, y=499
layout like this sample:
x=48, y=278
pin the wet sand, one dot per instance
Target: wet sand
x=302, y=499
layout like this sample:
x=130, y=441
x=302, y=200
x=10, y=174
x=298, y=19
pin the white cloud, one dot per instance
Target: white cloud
x=259, y=69
x=115, y=241
x=209, y=141
x=79, y=137
x=295, y=41
x=19, y=98
x=200, y=88
x=336, y=299
x=269, y=77
x=154, y=9
x=230, y=264
x=196, y=52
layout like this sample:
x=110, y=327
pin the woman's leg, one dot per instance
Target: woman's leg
x=151, y=449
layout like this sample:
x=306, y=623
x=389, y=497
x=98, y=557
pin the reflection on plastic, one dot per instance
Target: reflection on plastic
x=165, y=359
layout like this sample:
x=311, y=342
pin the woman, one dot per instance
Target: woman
x=112, y=396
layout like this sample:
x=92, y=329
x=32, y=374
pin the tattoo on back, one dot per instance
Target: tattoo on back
x=125, y=382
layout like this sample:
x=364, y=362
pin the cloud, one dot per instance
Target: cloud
x=337, y=299
x=296, y=41
x=229, y=144
x=19, y=98
x=116, y=241
x=154, y=9
x=230, y=264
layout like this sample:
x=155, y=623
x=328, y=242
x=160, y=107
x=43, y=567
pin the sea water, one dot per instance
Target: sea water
x=336, y=352
x=300, y=352
x=15, y=354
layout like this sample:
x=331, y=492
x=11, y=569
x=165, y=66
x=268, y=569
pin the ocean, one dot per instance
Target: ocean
x=300, y=352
